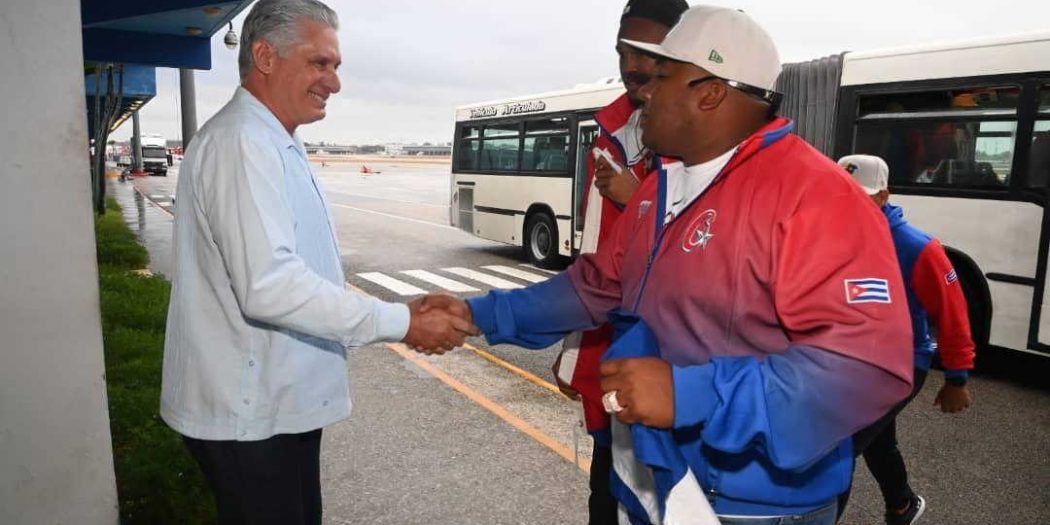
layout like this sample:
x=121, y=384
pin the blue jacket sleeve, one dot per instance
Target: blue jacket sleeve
x=795, y=407
x=533, y=317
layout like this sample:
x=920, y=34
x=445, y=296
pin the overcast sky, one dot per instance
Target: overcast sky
x=408, y=63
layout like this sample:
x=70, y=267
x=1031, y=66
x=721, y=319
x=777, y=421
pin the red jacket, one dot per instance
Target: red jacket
x=777, y=300
x=783, y=242
x=934, y=293
x=581, y=356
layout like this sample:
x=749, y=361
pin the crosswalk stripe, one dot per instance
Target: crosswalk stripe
x=490, y=280
x=520, y=274
x=527, y=265
x=399, y=287
x=444, y=282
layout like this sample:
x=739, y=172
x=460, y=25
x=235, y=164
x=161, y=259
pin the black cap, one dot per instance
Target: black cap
x=666, y=12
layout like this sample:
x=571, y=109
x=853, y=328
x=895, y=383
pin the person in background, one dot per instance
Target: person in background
x=260, y=315
x=750, y=349
x=934, y=296
x=622, y=161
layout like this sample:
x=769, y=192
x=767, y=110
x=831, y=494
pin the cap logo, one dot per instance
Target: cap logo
x=851, y=168
x=715, y=57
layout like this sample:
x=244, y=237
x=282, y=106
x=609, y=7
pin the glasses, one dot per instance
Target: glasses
x=698, y=81
x=771, y=97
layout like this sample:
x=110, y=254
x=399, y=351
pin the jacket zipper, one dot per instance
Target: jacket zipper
x=663, y=227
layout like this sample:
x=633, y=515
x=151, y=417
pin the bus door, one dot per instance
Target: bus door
x=1038, y=167
x=587, y=134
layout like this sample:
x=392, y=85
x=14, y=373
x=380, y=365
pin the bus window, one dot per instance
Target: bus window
x=971, y=99
x=502, y=130
x=546, y=146
x=467, y=156
x=499, y=147
x=546, y=154
x=467, y=149
x=588, y=133
x=948, y=138
x=994, y=148
x=1039, y=159
x=559, y=125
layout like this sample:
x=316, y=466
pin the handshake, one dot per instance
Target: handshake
x=439, y=323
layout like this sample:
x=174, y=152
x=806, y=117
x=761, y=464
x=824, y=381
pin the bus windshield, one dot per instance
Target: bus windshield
x=154, y=152
x=956, y=137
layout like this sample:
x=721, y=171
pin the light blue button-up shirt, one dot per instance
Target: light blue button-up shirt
x=260, y=315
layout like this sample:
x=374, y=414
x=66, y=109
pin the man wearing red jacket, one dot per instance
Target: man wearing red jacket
x=761, y=283
x=934, y=294
x=612, y=180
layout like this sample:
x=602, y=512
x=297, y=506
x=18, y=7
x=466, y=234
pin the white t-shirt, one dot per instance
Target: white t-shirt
x=686, y=183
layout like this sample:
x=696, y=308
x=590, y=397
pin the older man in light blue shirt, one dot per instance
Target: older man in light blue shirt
x=258, y=301
x=255, y=359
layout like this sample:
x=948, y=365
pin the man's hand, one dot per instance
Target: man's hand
x=953, y=399
x=565, y=388
x=644, y=388
x=446, y=301
x=438, y=324
x=615, y=186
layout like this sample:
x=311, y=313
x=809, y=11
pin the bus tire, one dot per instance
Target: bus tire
x=541, y=240
x=978, y=296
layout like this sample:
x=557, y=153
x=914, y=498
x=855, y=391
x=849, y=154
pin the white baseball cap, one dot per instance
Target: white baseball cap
x=869, y=171
x=726, y=42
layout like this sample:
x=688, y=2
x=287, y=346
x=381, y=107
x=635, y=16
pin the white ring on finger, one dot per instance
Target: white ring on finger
x=611, y=404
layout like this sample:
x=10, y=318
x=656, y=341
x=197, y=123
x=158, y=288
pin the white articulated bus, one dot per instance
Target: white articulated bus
x=965, y=129
x=519, y=167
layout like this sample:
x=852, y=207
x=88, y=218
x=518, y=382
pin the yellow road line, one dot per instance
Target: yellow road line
x=528, y=376
x=488, y=404
x=491, y=406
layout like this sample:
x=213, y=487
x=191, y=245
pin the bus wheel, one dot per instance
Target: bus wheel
x=541, y=240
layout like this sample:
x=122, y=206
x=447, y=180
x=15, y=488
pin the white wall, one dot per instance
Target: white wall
x=56, y=464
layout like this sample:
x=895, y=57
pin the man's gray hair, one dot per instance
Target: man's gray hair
x=277, y=22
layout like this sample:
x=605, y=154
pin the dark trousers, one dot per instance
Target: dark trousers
x=878, y=444
x=276, y=480
x=602, y=505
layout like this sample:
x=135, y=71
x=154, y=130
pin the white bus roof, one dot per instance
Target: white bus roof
x=581, y=97
x=968, y=58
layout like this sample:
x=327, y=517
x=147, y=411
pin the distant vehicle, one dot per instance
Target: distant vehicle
x=965, y=129
x=155, y=155
x=520, y=166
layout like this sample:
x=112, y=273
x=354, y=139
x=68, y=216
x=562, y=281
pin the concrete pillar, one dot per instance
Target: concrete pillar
x=136, y=144
x=56, y=455
x=188, y=96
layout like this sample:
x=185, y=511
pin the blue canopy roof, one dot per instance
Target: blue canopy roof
x=168, y=33
x=138, y=84
x=145, y=35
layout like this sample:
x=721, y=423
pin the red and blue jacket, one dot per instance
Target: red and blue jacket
x=777, y=298
x=586, y=358
x=933, y=291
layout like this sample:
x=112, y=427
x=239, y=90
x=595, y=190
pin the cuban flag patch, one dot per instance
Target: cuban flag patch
x=869, y=290
x=951, y=277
